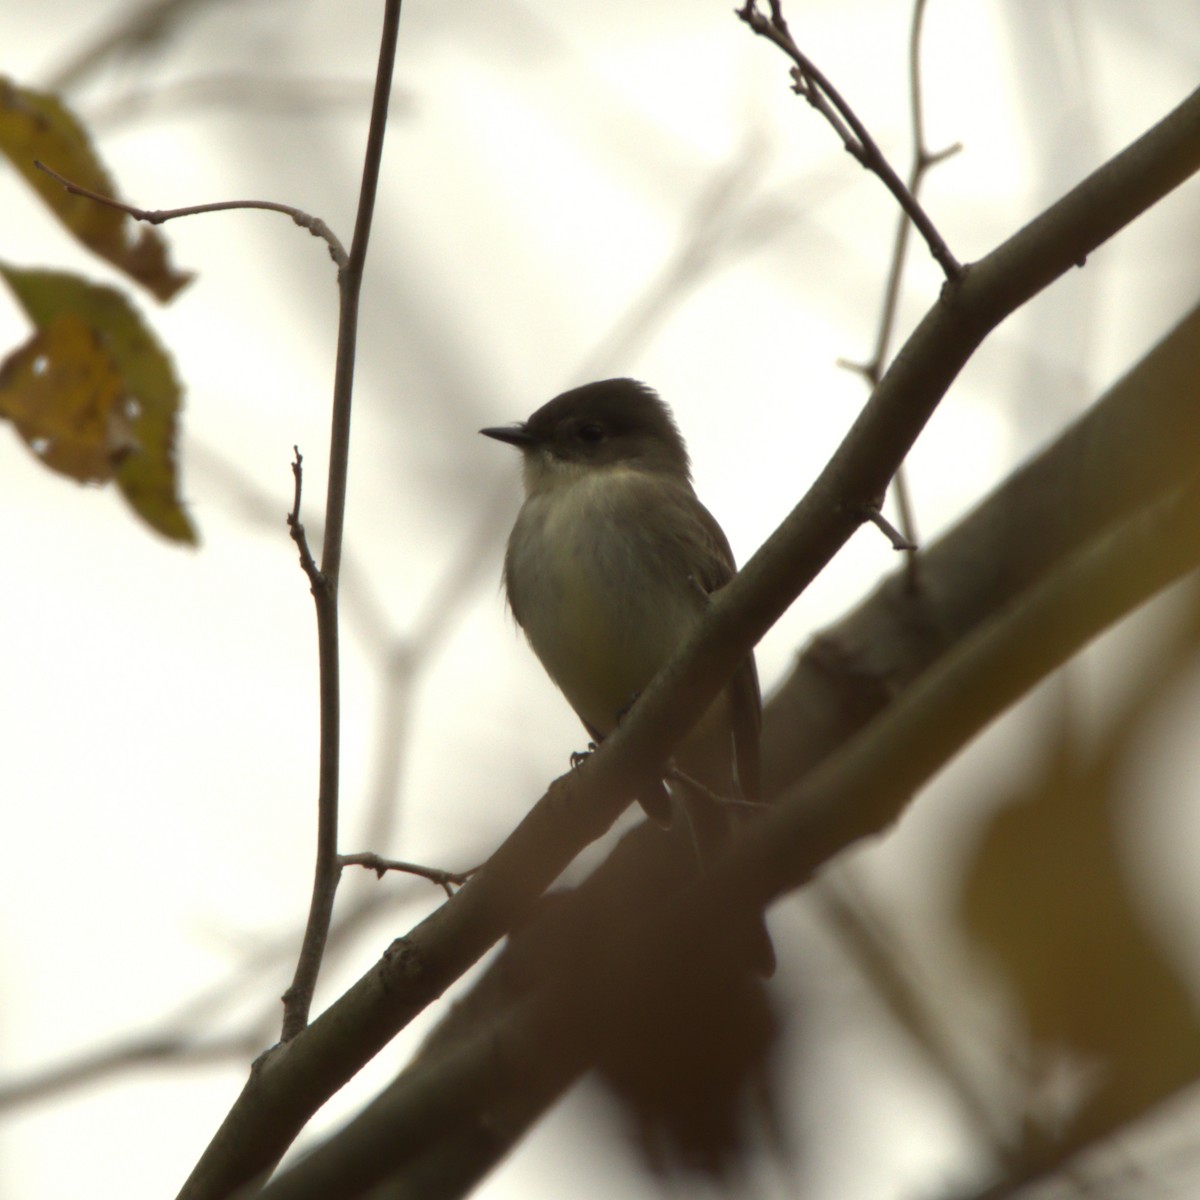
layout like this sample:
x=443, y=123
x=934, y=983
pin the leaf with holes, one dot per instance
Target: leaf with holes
x=65, y=396
x=62, y=371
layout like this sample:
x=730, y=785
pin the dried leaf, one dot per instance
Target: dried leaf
x=1048, y=895
x=37, y=126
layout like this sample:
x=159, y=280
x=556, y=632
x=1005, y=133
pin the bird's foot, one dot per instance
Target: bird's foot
x=579, y=757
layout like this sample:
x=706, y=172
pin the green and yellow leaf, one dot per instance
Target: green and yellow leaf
x=94, y=393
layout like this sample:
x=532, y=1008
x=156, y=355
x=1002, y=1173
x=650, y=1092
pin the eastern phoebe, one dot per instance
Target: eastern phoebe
x=609, y=567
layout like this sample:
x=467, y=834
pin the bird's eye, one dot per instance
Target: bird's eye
x=591, y=432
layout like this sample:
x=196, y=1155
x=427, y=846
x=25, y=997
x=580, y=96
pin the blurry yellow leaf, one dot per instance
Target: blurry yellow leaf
x=140, y=426
x=37, y=126
x=64, y=395
x=1047, y=894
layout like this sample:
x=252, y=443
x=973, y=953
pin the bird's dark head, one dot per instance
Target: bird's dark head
x=616, y=422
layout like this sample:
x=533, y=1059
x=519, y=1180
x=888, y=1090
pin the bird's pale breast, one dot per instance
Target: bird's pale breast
x=602, y=602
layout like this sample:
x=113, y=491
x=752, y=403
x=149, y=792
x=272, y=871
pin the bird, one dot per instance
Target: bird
x=609, y=566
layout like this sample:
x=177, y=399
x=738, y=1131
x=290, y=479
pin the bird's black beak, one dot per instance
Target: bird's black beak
x=515, y=435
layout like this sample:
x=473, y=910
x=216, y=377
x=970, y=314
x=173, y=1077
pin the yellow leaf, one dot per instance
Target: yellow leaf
x=64, y=395
x=37, y=126
x=142, y=427
x=1046, y=893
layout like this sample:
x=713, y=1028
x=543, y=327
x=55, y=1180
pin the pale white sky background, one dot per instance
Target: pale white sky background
x=545, y=167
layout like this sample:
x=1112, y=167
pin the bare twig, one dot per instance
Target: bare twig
x=307, y=562
x=923, y=160
x=298, y=997
x=446, y=880
x=872, y=514
x=157, y=216
x=809, y=82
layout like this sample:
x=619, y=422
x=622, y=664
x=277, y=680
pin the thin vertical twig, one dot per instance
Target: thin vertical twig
x=923, y=159
x=298, y=997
